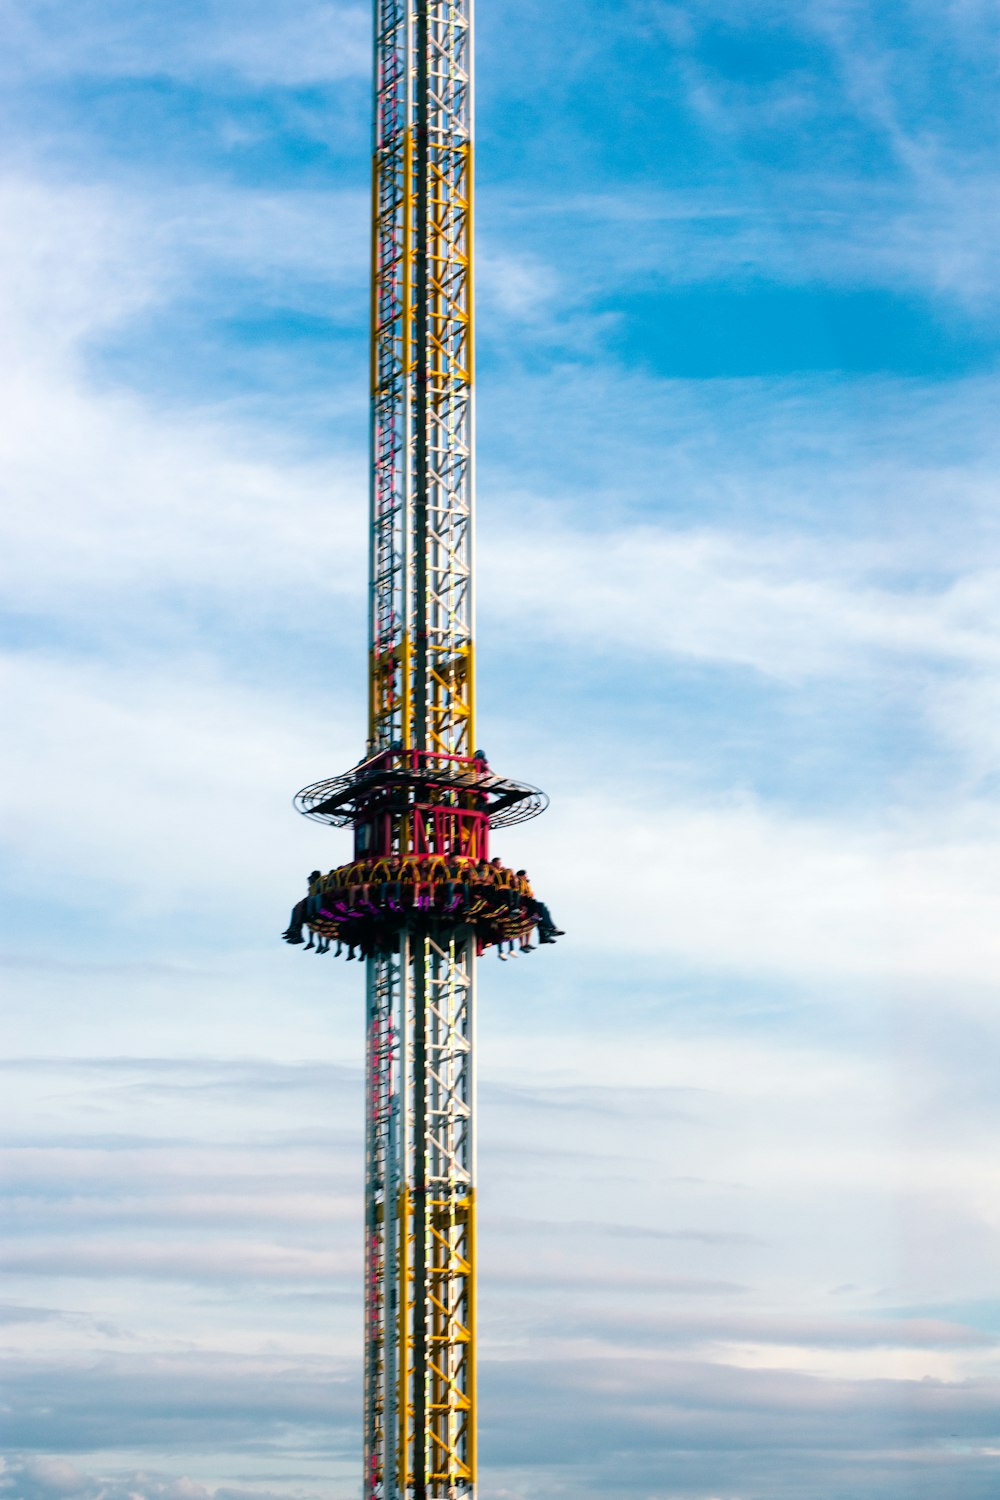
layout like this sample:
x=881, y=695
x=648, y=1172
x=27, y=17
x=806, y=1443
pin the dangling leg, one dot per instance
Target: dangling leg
x=293, y=932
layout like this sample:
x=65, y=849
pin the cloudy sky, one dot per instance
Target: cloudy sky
x=740, y=553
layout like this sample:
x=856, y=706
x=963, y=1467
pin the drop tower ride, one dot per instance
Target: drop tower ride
x=422, y=898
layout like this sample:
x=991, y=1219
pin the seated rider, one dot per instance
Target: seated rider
x=547, y=929
x=293, y=932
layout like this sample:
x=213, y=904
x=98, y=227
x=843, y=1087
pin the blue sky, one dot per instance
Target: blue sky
x=740, y=545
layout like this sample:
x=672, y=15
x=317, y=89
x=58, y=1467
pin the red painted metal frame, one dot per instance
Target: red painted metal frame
x=445, y=823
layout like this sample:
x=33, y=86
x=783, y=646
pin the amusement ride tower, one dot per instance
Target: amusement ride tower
x=421, y=899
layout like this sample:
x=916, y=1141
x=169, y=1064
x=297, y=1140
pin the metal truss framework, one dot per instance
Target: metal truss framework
x=422, y=351
x=420, y=1148
x=420, y=1223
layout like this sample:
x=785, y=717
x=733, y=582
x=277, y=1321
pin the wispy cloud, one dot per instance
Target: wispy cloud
x=306, y=44
x=782, y=609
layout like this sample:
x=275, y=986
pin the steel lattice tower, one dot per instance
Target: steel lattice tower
x=419, y=898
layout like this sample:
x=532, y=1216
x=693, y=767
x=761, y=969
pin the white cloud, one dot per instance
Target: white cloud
x=72, y=263
x=514, y=285
x=105, y=492
x=752, y=890
x=307, y=42
x=891, y=194
x=826, y=232
x=101, y=498
x=784, y=609
x=45, y=1478
x=167, y=791
x=313, y=43
x=216, y=1261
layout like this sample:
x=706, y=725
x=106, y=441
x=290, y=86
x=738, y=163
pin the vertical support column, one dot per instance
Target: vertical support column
x=420, y=1366
x=420, y=1230
x=443, y=409
x=384, y=998
x=390, y=664
x=442, y=1391
x=421, y=607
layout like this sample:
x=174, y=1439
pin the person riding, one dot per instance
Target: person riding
x=547, y=929
x=293, y=932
